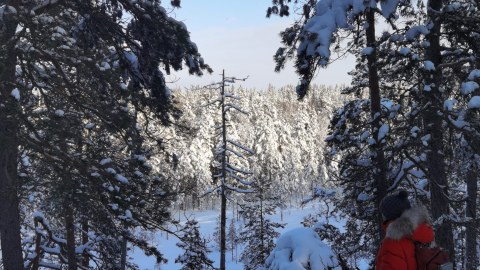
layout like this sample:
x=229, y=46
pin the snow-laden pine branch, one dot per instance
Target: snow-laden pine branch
x=246, y=149
x=230, y=106
x=238, y=170
x=239, y=179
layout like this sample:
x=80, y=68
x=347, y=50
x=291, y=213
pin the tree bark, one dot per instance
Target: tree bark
x=9, y=183
x=123, y=258
x=70, y=229
x=380, y=167
x=432, y=121
x=86, y=258
x=471, y=258
x=223, y=214
x=223, y=224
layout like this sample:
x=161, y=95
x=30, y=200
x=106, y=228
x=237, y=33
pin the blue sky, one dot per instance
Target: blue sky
x=236, y=36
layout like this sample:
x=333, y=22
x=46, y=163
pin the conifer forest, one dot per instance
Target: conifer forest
x=105, y=165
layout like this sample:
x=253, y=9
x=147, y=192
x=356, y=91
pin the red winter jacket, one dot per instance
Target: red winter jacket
x=397, y=251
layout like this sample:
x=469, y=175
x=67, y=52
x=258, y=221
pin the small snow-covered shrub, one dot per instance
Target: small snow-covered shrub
x=301, y=249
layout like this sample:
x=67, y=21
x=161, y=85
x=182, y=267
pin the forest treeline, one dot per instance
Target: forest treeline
x=288, y=139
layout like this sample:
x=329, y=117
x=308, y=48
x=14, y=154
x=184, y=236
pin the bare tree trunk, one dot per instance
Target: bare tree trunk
x=223, y=224
x=123, y=259
x=380, y=166
x=86, y=258
x=262, y=225
x=223, y=215
x=471, y=257
x=70, y=228
x=9, y=201
x=9, y=183
x=433, y=126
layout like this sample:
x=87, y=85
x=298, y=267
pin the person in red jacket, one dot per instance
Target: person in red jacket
x=403, y=226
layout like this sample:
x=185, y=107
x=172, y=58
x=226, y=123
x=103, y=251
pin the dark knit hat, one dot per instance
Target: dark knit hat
x=393, y=206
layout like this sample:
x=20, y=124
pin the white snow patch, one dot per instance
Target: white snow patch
x=60, y=30
x=111, y=170
x=89, y=125
x=363, y=197
x=416, y=31
x=469, y=87
x=367, y=50
x=426, y=139
x=474, y=74
x=388, y=7
x=26, y=161
x=383, y=131
x=105, y=161
x=122, y=179
x=449, y=103
x=428, y=65
x=474, y=103
x=60, y=113
x=16, y=94
x=404, y=51
x=414, y=131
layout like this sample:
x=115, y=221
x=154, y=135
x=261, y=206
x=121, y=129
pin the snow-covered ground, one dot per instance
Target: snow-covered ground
x=207, y=221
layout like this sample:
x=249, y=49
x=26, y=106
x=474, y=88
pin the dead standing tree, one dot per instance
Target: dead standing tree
x=229, y=155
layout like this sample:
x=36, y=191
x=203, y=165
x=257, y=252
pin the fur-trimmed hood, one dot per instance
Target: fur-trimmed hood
x=407, y=224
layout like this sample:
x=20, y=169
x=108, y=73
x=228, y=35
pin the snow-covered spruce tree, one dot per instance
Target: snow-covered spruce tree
x=229, y=160
x=329, y=230
x=216, y=233
x=455, y=93
x=104, y=183
x=324, y=25
x=196, y=252
x=232, y=237
x=259, y=231
x=41, y=62
x=407, y=68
